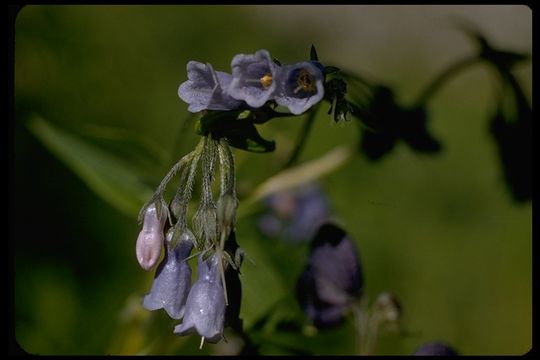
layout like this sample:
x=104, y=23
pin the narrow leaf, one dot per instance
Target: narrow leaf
x=106, y=175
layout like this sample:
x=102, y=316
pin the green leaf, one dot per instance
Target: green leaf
x=237, y=127
x=248, y=138
x=108, y=176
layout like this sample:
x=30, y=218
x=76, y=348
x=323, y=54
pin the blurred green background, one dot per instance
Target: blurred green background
x=99, y=123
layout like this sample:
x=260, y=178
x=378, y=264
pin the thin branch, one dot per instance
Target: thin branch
x=436, y=84
x=301, y=140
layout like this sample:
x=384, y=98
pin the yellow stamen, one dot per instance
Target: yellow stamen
x=266, y=80
x=305, y=82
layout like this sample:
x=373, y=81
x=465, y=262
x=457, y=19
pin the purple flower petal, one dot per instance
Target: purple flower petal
x=204, y=89
x=150, y=239
x=322, y=314
x=253, y=78
x=295, y=213
x=300, y=86
x=311, y=211
x=332, y=277
x=205, y=306
x=173, y=279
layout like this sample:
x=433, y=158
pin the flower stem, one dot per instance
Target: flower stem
x=436, y=84
x=372, y=332
x=179, y=138
x=301, y=140
x=359, y=324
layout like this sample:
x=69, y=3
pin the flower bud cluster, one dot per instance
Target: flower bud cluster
x=203, y=305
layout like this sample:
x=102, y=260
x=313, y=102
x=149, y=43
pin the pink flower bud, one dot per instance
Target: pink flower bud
x=150, y=240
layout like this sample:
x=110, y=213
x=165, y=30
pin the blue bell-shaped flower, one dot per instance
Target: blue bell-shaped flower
x=205, y=306
x=173, y=278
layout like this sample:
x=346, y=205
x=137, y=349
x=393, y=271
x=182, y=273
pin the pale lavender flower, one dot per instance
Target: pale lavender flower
x=253, y=78
x=205, y=306
x=300, y=86
x=173, y=278
x=150, y=239
x=205, y=89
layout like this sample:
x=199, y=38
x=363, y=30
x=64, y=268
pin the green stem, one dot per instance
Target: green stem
x=179, y=138
x=301, y=140
x=436, y=84
x=357, y=78
x=372, y=333
x=359, y=319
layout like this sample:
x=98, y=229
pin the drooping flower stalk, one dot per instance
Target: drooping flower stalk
x=205, y=218
x=226, y=208
x=232, y=104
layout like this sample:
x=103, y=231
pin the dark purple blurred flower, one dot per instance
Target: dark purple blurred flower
x=296, y=214
x=205, y=305
x=435, y=348
x=173, y=278
x=332, y=278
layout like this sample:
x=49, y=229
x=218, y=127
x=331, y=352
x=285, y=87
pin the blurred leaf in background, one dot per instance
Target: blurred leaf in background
x=98, y=123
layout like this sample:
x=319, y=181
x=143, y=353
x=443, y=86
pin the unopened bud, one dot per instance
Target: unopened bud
x=388, y=307
x=187, y=236
x=226, y=210
x=150, y=239
x=205, y=225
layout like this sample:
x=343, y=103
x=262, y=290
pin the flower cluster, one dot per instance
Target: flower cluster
x=203, y=305
x=256, y=79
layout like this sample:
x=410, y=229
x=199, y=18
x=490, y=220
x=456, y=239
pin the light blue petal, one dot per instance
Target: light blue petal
x=172, y=282
x=247, y=71
x=204, y=89
x=205, y=306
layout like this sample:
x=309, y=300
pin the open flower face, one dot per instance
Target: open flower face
x=205, y=306
x=205, y=89
x=253, y=78
x=173, y=278
x=300, y=86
